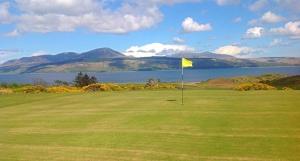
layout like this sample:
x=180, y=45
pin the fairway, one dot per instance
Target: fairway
x=213, y=125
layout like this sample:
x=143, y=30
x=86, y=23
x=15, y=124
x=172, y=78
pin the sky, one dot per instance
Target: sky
x=140, y=28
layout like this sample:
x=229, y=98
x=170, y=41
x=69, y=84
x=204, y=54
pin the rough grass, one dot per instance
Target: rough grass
x=151, y=125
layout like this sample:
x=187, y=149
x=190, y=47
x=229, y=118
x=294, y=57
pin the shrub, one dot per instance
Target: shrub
x=93, y=87
x=290, y=82
x=82, y=80
x=102, y=87
x=105, y=87
x=64, y=89
x=137, y=87
x=61, y=83
x=152, y=83
x=115, y=87
x=33, y=89
x=5, y=91
x=39, y=82
x=133, y=87
x=11, y=85
x=286, y=88
x=166, y=86
x=254, y=86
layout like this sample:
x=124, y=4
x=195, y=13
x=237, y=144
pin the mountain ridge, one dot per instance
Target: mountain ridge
x=106, y=59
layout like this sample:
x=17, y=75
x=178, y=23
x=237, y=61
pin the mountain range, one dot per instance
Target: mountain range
x=106, y=59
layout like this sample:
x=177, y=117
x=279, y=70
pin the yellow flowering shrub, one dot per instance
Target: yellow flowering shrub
x=167, y=86
x=64, y=89
x=287, y=88
x=93, y=87
x=133, y=87
x=102, y=87
x=5, y=91
x=114, y=87
x=33, y=89
x=254, y=86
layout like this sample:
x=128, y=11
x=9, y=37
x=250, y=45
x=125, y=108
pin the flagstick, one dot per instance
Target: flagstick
x=181, y=85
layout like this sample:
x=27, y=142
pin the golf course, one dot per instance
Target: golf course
x=212, y=125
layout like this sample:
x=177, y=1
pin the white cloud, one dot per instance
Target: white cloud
x=5, y=17
x=254, y=32
x=291, y=29
x=95, y=15
x=258, y=5
x=237, y=20
x=267, y=17
x=290, y=5
x=6, y=54
x=39, y=53
x=270, y=17
x=170, y=2
x=65, y=7
x=234, y=50
x=157, y=49
x=178, y=40
x=13, y=33
x=189, y=25
x=68, y=15
x=277, y=42
x=253, y=22
x=227, y=2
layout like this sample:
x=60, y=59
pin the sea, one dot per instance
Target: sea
x=190, y=75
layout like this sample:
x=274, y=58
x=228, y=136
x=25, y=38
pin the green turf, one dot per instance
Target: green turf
x=151, y=125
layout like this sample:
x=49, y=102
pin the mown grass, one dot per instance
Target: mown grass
x=151, y=125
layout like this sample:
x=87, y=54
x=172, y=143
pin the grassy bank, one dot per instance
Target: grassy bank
x=151, y=125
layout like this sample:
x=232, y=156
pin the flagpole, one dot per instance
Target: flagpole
x=181, y=83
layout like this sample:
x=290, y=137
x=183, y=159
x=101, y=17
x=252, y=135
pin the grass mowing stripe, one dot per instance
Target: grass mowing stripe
x=144, y=125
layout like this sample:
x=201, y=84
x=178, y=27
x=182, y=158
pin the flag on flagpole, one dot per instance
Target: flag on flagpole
x=185, y=63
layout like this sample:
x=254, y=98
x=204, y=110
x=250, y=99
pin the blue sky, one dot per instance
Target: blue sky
x=248, y=28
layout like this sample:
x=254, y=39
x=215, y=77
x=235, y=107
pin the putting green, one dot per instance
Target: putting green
x=151, y=125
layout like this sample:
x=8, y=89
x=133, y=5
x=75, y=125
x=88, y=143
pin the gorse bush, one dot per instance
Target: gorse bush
x=33, y=89
x=115, y=87
x=93, y=87
x=133, y=87
x=102, y=87
x=254, y=86
x=64, y=89
x=167, y=86
x=5, y=91
x=287, y=88
x=89, y=88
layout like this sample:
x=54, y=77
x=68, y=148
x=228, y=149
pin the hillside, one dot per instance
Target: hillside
x=203, y=55
x=290, y=82
x=232, y=82
x=105, y=59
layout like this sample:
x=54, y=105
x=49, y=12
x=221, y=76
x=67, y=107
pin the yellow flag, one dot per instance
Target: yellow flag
x=186, y=63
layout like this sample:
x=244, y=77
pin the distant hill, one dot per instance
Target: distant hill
x=100, y=53
x=92, y=55
x=106, y=59
x=277, y=60
x=203, y=55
